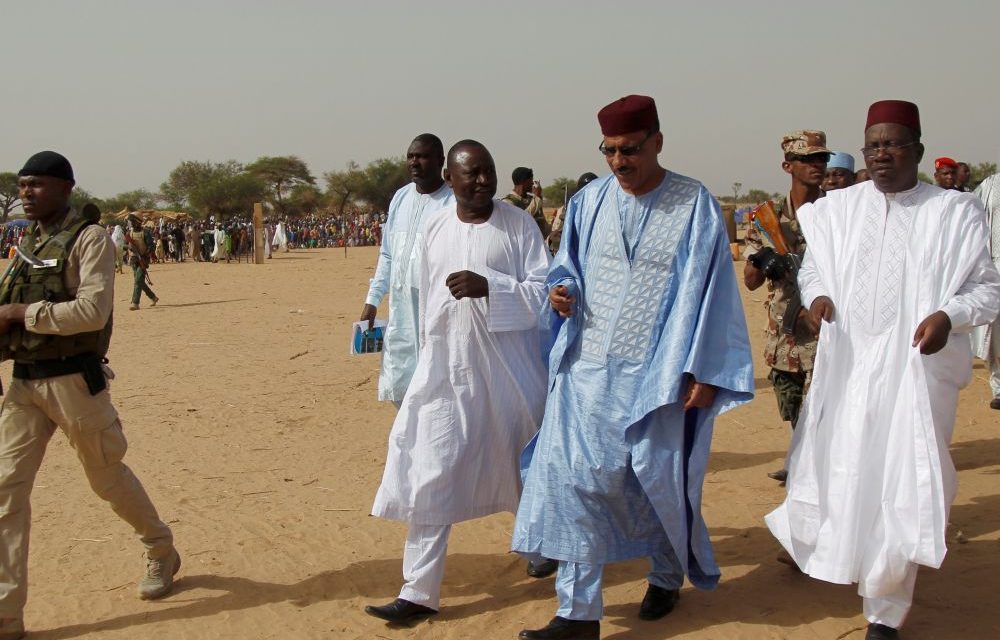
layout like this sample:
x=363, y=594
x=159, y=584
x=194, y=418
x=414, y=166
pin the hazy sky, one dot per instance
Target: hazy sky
x=127, y=90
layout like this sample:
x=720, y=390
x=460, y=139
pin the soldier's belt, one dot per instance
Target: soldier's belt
x=88, y=364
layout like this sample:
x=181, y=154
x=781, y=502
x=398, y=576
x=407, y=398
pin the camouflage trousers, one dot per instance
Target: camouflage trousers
x=789, y=389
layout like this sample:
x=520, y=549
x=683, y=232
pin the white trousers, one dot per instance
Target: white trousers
x=578, y=585
x=423, y=563
x=890, y=609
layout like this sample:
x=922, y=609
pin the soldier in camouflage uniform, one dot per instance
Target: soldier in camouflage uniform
x=527, y=195
x=791, y=334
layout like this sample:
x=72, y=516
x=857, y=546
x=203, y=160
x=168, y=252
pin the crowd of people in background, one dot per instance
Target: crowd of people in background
x=178, y=242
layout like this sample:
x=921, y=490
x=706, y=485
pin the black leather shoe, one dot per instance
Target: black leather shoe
x=400, y=611
x=658, y=602
x=881, y=632
x=780, y=475
x=995, y=403
x=563, y=629
x=542, y=568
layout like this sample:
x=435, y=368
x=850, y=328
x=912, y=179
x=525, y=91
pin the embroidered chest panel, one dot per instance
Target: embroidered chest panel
x=622, y=299
x=880, y=267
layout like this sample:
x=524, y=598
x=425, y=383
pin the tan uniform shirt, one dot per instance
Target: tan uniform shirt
x=794, y=353
x=533, y=205
x=90, y=278
x=555, y=235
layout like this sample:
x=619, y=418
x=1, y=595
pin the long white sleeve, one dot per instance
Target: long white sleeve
x=515, y=303
x=977, y=301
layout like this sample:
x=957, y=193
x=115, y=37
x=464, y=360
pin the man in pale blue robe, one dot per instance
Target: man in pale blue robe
x=650, y=346
x=397, y=270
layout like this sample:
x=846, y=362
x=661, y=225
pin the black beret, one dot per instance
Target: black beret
x=48, y=163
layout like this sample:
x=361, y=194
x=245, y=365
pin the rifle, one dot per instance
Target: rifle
x=143, y=261
x=765, y=219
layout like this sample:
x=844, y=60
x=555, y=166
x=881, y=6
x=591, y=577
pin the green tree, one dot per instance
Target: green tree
x=343, y=187
x=203, y=188
x=80, y=196
x=281, y=174
x=980, y=172
x=374, y=185
x=131, y=200
x=189, y=176
x=304, y=199
x=561, y=189
x=228, y=195
x=9, y=196
x=758, y=195
x=382, y=179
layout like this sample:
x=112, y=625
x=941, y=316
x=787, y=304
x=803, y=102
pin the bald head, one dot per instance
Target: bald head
x=465, y=146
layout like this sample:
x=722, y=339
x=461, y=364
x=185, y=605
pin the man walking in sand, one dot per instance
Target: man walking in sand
x=55, y=324
x=140, y=244
x=897, y=273
x=790, y=346
x=651, y=345
x=396, y=273
x=478, y=391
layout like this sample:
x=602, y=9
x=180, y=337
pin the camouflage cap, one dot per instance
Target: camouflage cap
x=804, y=143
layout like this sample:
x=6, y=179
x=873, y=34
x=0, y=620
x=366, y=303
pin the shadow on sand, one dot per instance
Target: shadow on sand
x=770, y=594
x=197, y=304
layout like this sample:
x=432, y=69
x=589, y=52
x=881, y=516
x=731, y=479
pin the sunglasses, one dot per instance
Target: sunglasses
x=812, y=158
x=628, y=150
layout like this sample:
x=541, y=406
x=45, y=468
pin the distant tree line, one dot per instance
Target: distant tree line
x=224, y=189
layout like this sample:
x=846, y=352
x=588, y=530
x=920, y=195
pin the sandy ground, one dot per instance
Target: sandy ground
x=262, y=444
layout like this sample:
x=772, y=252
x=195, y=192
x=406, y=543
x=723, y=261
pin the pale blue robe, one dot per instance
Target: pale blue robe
x=397, y=274
x=616, y=470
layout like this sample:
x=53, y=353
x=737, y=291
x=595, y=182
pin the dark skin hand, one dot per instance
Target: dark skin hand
x=932, y=334
x=368, y=313
x=467, y=284
x=821, y=309
x=562, y=303
x=806, y=318
x=699, y=395
x=753, y=277
x=11, y=314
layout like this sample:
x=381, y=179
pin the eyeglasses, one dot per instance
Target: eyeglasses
x=629, y=150
x=889, y=147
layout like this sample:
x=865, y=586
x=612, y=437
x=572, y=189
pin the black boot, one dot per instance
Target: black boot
x=881, y=632
x=563, y=629
x=658, y=602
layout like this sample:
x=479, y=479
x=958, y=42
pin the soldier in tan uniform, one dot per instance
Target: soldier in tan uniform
x=55, y=324
x=555, y=235
x=791, y=333
x=527, y=195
